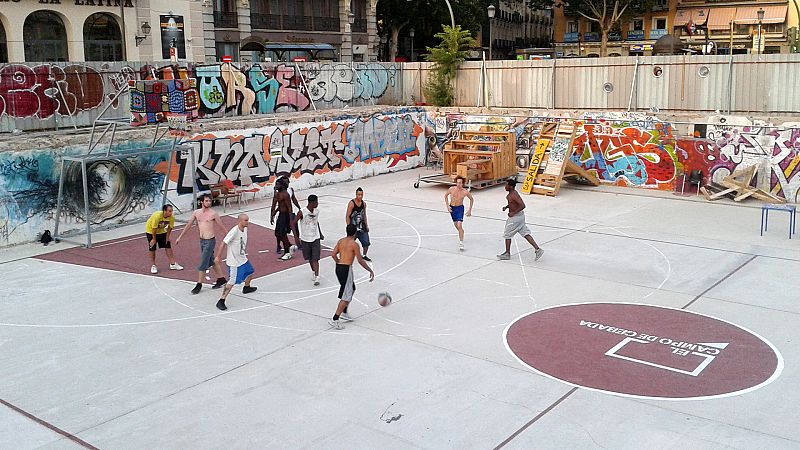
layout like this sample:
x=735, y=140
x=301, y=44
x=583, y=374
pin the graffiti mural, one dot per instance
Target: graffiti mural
x=391, y=141
x=118, y=189
x=80, y=91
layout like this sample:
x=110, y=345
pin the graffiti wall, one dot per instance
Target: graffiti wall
x=62, y=95
x=125, y=189
x=642, y=151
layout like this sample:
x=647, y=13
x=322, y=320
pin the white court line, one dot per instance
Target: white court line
x=524, y=275
x=669, y=265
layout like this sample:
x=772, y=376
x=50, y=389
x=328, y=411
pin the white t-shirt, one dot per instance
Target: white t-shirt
x=236, y=240
x=309, y=225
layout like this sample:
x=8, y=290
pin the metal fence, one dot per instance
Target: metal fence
x=742, y=84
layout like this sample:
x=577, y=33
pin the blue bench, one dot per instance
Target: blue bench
x=791, y=209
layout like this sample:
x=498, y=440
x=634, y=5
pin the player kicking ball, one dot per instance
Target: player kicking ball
x=346, y=251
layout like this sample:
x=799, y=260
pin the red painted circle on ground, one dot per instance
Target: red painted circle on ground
x=643, y=350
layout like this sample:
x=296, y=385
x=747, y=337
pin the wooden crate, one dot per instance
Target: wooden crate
x=481, y=155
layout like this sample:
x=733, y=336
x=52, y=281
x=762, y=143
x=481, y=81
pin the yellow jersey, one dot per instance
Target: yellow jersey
x=157, y=224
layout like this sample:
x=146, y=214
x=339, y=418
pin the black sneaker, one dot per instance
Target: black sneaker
x=221, y=305
x=197, y=288
x=248, y=289
x=366, y=258
x=220, y=282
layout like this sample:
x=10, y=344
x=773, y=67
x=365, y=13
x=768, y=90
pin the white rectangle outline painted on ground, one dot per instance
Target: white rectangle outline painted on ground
x=612, y=352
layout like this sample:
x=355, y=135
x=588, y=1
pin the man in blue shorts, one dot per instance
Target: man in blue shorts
x=454, y=199
x=239, y=268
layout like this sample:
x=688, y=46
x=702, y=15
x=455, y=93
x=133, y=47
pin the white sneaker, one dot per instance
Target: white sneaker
x=335, y=324
x=346, y=317
x=316, y=280
x=286, y=257
x=175, y=266
x=154, y=269
x=461, y=246
x=539, y=253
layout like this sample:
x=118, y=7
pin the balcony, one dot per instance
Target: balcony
x=635, y=35
x=326, y=24
x=591, y=37
x=225, y=19
x=570, y=37
x=359, y=26
x=614, y=36
x=655, y=34
x=265, y=21
x=300, y=23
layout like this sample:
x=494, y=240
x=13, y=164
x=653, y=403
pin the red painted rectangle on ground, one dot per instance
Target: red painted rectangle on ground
x=131, y=255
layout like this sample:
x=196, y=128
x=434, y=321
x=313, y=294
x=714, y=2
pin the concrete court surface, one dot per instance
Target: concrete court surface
x=92, y=357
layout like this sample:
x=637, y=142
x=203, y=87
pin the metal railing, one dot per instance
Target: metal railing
x=326, y=23
x=261, y=21
x=302, y=23
x=359, y=26
x=224, y=19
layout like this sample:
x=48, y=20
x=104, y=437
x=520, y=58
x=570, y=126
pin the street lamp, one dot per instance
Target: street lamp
x=411, y=34
x=490, y=10
x=760, y=13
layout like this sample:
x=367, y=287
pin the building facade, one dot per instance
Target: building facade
x=515, y=28
x=280, y=30
x=93, y=30
x=710, y=27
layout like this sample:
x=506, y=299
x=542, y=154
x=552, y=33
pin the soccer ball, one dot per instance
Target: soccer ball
x=384, y=299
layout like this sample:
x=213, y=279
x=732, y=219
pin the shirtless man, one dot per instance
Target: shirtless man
x=289, y=190
x=346, y=250
x=283, y=208
x=454, y=199
x=206, y=219
x=516, y=221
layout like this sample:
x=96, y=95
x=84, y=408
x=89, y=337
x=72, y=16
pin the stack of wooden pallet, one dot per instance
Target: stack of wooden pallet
x=550, y=163
x=481, y=156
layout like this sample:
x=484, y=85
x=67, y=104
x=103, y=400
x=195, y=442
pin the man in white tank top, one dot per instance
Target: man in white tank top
x=310, y=234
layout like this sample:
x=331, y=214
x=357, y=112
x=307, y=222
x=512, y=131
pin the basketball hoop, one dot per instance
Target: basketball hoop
x=177, y=124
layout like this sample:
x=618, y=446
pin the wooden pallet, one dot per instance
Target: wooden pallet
x=481, y=156
x=576, y=174
x=542, y=148
x=548, y=180
x=738, y=186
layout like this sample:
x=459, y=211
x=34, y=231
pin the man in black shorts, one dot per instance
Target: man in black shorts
x=347, y=250
x=283, y=226
x=310, y=234
x=357, y=215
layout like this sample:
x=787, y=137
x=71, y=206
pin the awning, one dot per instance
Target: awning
x=772, y=14
x=297, y=46
x=698, y=16
x=720, y=18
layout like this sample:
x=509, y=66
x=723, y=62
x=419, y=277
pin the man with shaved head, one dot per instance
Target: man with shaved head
x=239, y=268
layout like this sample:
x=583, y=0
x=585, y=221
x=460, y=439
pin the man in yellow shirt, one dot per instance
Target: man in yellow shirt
x=159, y=227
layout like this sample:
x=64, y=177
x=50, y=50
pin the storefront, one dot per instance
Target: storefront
x=97, y=30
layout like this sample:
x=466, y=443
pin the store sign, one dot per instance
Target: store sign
x=172, y=36
x=641, y=47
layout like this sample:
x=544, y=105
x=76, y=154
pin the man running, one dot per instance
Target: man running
x=357, y=215
x=289, y=190
x=454, y=199
x=206, y=219
x=282, y=228
x=344, y=253
x=239, y=268
x=157, y=230
x=310, y=235
x=516, y=221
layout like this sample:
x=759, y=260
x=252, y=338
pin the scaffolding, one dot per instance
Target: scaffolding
x=107, y=127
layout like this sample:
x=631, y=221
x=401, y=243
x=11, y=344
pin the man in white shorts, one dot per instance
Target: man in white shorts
x=239, y=268
x=516, y=221
x=310, y=234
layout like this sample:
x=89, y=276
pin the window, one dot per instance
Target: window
x=772, y=28
x=659, y=23
x=102, y=40
x=572, y=26
x=45, y=37
x=224, y=6
x=594, y=27
x=636, y=25
x=3, y=47
x=742, y=29
x=227, y=49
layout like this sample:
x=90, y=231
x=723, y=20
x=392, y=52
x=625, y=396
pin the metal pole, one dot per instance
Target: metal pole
x=730, y=81
x=490, y=39
x=85, y=177
x=452, y=17
x=169, y=170
x=759, y=38
x=194, y=176
x=303, y=80
x=553, y=85
x=634, y=82
x=60, y=199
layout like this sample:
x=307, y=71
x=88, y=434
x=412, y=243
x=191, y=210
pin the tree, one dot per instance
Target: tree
x=606, y=13
x=396, y=15
x=447, y=56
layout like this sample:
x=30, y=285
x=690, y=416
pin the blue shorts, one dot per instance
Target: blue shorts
x=237, y=275
x=457, y=213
